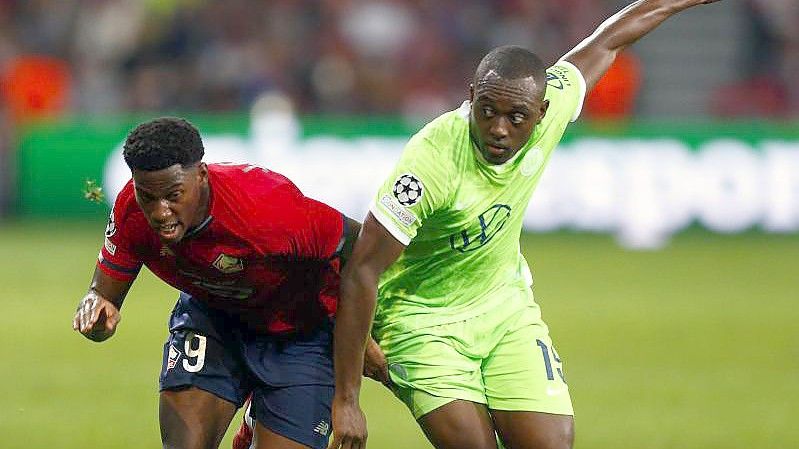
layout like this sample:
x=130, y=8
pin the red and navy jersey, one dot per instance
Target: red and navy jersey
x=266, y=253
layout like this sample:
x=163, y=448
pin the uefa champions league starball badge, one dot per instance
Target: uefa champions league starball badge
x=408, y=189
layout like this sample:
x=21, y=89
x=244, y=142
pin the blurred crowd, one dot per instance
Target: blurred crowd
x=330, y=56
x=411, y=57
x=769, y=64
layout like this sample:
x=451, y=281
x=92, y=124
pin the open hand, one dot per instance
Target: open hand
x=96, y=317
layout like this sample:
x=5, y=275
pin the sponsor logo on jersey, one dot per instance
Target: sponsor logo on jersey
x=491, y=222
x=172, y=358
x=228, y=264
x=322, y=428
x=405, y=216
x=222, y=289
x=408, y=189
x=111, y=227
x=110, y=247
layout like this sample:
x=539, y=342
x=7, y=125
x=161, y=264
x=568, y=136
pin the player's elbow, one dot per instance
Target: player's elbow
x=359, y=284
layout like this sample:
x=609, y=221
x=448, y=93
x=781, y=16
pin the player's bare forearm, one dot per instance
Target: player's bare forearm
x=356, y=305
x=374, y=251
x=595, y=54
x=109, y=288
x=97, y=315
x=353, y=321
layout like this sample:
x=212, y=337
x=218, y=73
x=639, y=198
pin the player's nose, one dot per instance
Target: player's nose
x=499, y=128
x=161, y=213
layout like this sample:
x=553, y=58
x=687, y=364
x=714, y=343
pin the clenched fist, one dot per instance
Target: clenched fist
x=96, y=317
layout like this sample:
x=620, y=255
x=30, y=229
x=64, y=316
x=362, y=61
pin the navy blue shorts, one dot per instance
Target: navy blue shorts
x=290, y=378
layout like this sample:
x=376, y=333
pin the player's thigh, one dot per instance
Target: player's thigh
x=203, y=378
x=266, y=439
x=459, y=425
x=292, y=417
x=429, y=369
x=203, y=351
x=191, y=418
x=534, y=430
x=524, y=372
x=293, y=392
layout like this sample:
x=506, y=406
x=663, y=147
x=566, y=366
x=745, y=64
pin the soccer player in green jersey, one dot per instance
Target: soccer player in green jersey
x=461, y=339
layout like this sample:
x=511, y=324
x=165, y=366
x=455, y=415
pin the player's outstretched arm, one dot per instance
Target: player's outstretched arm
x=595, y=54
x=374, y=251
x=98, y=314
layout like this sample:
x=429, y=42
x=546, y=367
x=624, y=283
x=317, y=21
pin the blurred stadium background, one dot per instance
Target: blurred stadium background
x=663, y=236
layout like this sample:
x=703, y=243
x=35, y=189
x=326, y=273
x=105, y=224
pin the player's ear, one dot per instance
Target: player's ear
x=471, y=92
x=202, y=172
x=542, y=111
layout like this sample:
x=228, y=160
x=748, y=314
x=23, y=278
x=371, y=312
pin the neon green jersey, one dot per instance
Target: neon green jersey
x=461, y=217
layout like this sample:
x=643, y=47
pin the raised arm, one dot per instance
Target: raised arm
x=596, y=53
x=98, y=314
x=374, y=251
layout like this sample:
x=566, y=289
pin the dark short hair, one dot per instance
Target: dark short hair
x=512, y=62
x=162, y=143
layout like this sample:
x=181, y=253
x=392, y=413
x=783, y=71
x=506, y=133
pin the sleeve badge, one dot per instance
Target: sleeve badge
x=408, y=189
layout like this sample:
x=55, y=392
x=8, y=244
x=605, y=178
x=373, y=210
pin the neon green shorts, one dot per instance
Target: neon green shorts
x=503, y=359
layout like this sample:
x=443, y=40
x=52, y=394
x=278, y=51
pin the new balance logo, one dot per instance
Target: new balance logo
x=322, y=428
x=173, y=357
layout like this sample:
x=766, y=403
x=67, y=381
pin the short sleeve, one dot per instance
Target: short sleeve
x=413, y=191
x=116, y=257
x=565, y=91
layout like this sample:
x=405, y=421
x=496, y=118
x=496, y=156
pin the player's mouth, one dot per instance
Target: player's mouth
x=495, y=153
x=168, y=231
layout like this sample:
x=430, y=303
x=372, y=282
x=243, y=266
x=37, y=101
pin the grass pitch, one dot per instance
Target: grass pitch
x=694, y=346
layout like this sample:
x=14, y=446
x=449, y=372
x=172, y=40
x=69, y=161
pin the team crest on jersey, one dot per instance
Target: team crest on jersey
x=110, y=247
x=408, y=189
x=172, y=358
x=111, y=227
x=532, y=162
x=228, y=264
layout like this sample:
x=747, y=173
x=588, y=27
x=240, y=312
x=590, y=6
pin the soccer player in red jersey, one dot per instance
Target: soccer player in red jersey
x=257, y=264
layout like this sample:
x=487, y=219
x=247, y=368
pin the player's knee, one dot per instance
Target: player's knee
x=187, y=437
x=464, y=443
x=463, y=440
x=563, y=439
x=557, y=436
x=188, y=441
x=560, y=437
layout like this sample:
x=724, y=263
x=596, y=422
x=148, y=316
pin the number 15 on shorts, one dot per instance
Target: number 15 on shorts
x=546, y=353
